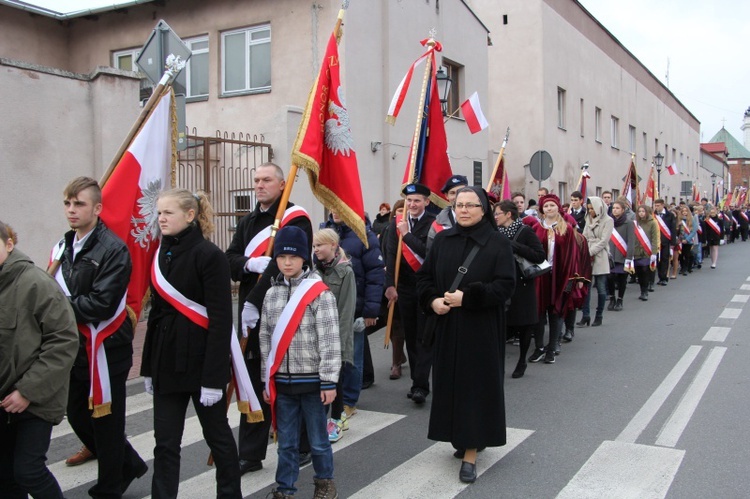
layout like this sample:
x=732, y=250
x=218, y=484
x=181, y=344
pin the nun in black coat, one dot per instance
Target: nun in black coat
x=469, y=341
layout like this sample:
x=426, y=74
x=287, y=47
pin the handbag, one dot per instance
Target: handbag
x=428, y=337
x=530, y=270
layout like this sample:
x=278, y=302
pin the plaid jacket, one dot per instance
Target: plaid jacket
x=315, y=351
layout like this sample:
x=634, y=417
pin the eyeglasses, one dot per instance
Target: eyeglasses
x=468, y=206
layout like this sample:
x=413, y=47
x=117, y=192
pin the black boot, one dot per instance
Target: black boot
x=597, y=322
x=568, y=336
x=644, y=296
x=611, y=305
x=618, y=305
x=519, y=371
x=585, y=321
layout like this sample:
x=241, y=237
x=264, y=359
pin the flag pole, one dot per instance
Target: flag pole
x=499, y=159
x=411, y=177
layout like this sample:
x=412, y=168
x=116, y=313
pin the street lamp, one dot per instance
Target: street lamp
x=444, y=87
x=658, y=161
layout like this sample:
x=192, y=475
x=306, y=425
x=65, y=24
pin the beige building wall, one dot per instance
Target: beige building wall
x=59, y=126
x=548, y=44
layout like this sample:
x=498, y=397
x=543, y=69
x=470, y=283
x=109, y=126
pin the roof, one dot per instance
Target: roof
x=736, y=150
x=714, y=147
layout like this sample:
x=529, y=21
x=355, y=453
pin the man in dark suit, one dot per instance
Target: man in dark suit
x=577, y=210
x=413, y=228
x=668, y=235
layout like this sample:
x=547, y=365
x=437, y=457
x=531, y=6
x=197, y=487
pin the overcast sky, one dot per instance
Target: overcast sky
x=708, y=65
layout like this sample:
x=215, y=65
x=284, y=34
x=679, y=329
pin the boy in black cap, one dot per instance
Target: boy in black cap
x=447, y=217
x=413, y=228
x=301, y=359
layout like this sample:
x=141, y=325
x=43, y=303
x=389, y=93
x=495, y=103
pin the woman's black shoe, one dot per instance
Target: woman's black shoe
x=585, y=321
x=468, y=473
x=597, y=322
x=618, y=305
x=611, y=305
x=519, y=371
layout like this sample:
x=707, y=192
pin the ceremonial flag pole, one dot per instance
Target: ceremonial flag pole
x=500, y=156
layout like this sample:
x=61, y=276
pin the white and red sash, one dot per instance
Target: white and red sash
x=685, y=228
x=643, y=239
x=619, y=242
x=247, y=401
x=699, y=228
x=259, y=244
x=663, y=228
x=437, y=227
x=721, y=215
x=100, y=391
x=735, y=220
x=415, y=261
x=714, y=226
x=744, y=215
x=289, y=321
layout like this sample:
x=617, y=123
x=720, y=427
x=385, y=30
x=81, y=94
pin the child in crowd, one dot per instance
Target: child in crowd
x=301, y=360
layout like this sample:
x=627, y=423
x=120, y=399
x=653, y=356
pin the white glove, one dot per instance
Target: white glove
x=250, y=316
x=629, y=268
x=359, y=325
x=148, y=383
x=209, y=396
x=257, y=264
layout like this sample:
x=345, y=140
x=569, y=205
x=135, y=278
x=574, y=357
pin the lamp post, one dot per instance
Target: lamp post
x=714, y=197
x=444, y=87
x=658, y=161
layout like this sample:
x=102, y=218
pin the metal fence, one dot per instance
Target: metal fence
x=223, y=166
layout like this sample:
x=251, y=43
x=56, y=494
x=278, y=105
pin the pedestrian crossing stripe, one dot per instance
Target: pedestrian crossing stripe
x=135, y=404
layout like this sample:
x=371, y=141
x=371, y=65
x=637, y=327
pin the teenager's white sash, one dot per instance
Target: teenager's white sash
x=714, y=226
x=619, y=242
x=259, y=243
x=643, y=239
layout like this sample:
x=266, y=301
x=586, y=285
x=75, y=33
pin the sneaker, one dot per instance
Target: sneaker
x=343, y=422
x=537, y=355
x=549, y=357
x=349, y=411
x=334, y=432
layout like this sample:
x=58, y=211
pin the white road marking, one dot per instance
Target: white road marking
x=745, y=287
x=740, y=298
x=625, y=470
x=644, y=416
x=135, y=404
x=434, y=471
x=673, y=428
x=730, y=313
x=716, y=333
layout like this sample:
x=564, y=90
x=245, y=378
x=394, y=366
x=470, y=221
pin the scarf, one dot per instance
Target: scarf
x=620, y=220
x=511, y=230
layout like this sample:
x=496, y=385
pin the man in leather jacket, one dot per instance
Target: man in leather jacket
x=96, y=267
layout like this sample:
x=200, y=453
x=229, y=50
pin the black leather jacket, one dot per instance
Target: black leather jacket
x=97, y=279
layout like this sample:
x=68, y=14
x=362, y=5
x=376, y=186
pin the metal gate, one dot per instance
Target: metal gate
x=223, y=166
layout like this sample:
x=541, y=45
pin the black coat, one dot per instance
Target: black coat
x=669, y=220
x=580, y=218
x=416, y=239
x=251, y=288
x=178, y=354
x=712, y=238
x=469, y=348
x=523, y=305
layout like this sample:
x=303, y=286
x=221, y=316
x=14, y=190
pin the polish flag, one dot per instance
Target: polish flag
x=129, y=194
x=473, y=114
x=672, y=169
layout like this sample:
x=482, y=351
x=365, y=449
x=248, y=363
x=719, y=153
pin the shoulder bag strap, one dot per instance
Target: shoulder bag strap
x=463, y=269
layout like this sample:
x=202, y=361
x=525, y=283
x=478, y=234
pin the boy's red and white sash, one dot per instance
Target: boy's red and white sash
x=643, y=239
x=699, y=228
x=735, y=220
x=744, y=215
x=663, y=228
x=259, y=244
x=289, y=321
x=100, y=391
x=415, y=261
x=714, y=226
x=247, y=401
x=619, y=242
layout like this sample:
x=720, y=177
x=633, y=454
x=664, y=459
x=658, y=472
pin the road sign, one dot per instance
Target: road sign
x=540, y=165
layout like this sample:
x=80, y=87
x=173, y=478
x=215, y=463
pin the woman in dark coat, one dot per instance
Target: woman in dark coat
x=183, y=361
x=522, y=316
x=469, y=341
x=714, y=231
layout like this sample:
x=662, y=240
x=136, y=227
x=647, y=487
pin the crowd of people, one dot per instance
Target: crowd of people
x=459, y=283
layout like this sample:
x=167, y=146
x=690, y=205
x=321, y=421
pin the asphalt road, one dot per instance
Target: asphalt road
x=652, y=404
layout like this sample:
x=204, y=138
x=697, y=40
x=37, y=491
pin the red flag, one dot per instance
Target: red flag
x=630, y=189
x=583, y=183
x=649, y=195
x=473, y=114
x=672, y=169
x=325, y=148
x=129, y=195
x=500, y=186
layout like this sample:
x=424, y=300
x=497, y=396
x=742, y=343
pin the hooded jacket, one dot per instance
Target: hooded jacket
x=597, y=232
x=339, y=277
x=38, y=337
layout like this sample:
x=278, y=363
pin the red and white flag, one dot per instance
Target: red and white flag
x=672, y=169
x=473, y=114
x=129, y=194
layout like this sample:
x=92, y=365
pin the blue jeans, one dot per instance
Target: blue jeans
x=600, y=283
x=352, y=374
x=290, y=410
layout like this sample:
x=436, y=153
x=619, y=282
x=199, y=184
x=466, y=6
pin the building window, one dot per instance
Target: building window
x=598, y=191
x=560, y=108
x=686, y=188
x=581, y=117
x=125, y=59
x=598, y=124
x=631, y=135
x=454, y=72
x=562, y=191
x=615, y=193
x=246, y=60
x=645, y=146
x=196, y=71
x=615, y=129
x=478, y=174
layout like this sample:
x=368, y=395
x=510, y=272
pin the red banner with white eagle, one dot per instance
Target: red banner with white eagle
x=325, y=147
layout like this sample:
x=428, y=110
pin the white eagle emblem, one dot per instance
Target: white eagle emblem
x=146, y=228
x=338, y=134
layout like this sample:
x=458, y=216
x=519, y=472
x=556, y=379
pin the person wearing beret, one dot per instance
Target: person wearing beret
x=447, y=217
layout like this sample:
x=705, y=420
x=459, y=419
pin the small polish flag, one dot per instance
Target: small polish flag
x=672, y=169
x=473, y=114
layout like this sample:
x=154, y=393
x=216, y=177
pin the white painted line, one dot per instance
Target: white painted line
x=730, y=313
x=625, y=470
x=135, y=403
x=143, y=443
x=673, y=428
x=434, y=471
x=716, y=333
x=740, y=298
x=745, y=287
x=646, y=413
x=364, y=424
